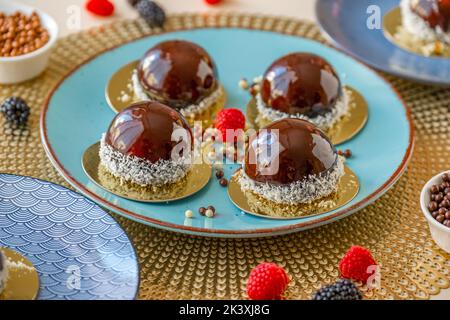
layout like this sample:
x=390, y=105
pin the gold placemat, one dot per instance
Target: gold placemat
x=175, y=266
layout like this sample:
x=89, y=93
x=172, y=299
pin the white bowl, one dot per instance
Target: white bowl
x=439, y=232
x=30, y=65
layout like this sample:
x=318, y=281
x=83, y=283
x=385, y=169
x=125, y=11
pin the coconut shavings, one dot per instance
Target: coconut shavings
x=19, y=265
x=314, y=187
x=324, y=122
x=188, y=111
x=416, y=26
x=142, y=171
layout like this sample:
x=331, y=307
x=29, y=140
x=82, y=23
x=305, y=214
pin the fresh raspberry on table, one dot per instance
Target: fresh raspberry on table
x=104, y=8
x=213, y=2
x=267, y=281
x=229, y=119
x=355, y=264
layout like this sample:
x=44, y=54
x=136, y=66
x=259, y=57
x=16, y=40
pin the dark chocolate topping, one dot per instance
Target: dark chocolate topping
x=177, y=73
x=301, y=83
x=434, y=12
x=145, y=130
x=304, y=151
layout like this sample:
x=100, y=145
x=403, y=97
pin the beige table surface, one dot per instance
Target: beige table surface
x=64, y=11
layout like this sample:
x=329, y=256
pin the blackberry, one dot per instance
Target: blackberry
x=15, y=110
x=151, y=12
x=133, y=2
x=343, y=289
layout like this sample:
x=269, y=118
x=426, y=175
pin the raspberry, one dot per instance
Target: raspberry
x=343, y=289
x=228, y=119
x=213, y=2
x=355, y=263
x=267, y=281
x=15, y=110
x=102, y=8
x=151, y=12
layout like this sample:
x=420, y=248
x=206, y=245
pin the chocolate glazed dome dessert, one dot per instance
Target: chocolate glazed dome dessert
x=292, y=162
x=427, y=19
x=305, y=86
x=148, y=144
x=180, y=74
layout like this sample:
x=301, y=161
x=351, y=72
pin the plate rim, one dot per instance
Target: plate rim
x=341, y=48
x=219, y=232
x=138, y=266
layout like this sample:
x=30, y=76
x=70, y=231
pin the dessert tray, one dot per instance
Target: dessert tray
x=71, y=122
x=78, y=250
x=346, y=24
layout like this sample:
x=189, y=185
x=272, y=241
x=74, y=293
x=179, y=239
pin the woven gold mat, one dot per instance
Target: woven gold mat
x=175, y=266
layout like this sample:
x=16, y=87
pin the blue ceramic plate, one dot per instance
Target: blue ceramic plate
x=78, y=112
x=345, y=24
x=79, y=251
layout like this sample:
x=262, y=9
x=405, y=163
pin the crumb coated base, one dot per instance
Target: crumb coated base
x=140, y=171
x=269, y=208
x=301, y=192
x=144, y=193
x=250, y=202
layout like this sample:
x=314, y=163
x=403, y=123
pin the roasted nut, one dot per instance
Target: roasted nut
x=21, y=34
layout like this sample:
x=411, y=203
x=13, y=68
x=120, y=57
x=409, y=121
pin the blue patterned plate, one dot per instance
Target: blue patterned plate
x=345, y=24
x=382, y=149
x=79, y=251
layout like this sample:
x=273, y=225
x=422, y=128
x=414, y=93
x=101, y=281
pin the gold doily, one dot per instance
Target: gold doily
x=175, y=266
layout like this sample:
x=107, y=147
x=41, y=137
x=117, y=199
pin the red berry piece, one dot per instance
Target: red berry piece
x=103, y=8
x=267, y=282
x=229, y=119
x=213, y=2
x=355, y=264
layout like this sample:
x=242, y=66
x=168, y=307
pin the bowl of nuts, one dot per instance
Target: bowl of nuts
x=27, y=36
x=435, y=204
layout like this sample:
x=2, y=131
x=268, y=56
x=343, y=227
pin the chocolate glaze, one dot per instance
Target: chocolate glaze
x=304, y=151
x=145, y=130
x=434, y=12
x=301, y=83
x=1, y=260
x=177, y=73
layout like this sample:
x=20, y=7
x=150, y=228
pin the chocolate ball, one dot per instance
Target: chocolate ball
x=301, y=83
x=287, y=151
x=178, y=73
x=436, y=13
x=147, y=130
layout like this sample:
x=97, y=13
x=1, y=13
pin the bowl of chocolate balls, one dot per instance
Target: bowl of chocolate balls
x=435, y=204
x=27, y=36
